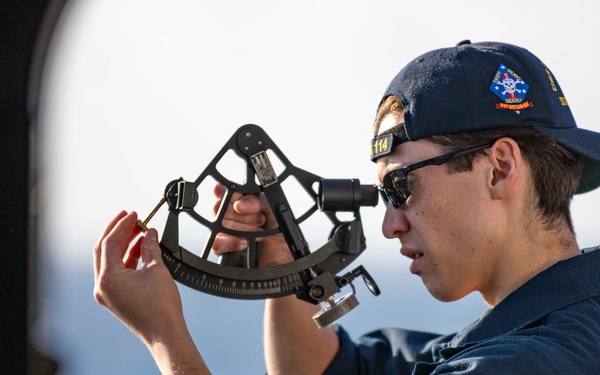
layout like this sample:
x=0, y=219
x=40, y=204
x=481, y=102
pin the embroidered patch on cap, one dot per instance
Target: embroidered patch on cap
x=511, y=88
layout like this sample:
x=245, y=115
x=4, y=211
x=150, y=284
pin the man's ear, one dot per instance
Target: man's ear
x=506, y=167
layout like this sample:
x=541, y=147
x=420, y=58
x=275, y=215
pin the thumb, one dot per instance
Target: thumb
x=150, y=247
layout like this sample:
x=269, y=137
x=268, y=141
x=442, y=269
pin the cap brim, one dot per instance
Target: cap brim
x=585, y=143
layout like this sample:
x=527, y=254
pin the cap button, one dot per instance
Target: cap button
x=463, y=42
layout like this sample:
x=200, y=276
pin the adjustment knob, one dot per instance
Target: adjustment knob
x=335, y=310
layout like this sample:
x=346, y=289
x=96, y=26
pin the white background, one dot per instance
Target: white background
x=138, y=93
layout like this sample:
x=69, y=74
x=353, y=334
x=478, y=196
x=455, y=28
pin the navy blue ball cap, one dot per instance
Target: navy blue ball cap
x=475, y=86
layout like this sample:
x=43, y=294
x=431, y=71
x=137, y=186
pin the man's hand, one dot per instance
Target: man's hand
x=146, y=299
x=250, y=213
x=293, y=343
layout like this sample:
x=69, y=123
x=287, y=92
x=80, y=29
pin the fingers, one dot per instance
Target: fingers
x=243, y=204
x=111, y=248
x=245, y=213
x=242, y=216
x=219, y=190
x=98, y=246
x=225, y=243
x=242, y=212
x=150, y=248
x=133, y=255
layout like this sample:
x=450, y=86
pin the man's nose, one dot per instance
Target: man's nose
x=395, y=222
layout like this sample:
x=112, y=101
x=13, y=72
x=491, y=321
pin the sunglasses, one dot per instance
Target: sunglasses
x=396, y=188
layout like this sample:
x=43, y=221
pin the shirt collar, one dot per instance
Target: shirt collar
x=567, y=282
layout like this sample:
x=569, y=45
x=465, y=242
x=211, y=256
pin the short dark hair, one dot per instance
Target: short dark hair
x=555, y=171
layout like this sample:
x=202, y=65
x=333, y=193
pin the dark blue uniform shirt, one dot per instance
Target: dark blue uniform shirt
x=550, y=325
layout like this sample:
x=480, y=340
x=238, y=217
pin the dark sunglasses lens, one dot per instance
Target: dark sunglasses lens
x=395, y=188
x=384, y=195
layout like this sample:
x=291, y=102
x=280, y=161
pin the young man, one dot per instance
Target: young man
x=478, y=156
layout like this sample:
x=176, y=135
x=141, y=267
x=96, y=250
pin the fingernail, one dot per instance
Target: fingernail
x=152, y=234
x=241, y=205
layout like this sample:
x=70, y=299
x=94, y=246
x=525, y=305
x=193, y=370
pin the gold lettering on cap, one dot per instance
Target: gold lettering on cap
x=551, y=81
x=563, y=101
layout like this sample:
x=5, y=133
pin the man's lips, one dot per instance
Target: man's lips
x=415, y=255
x=410, y=253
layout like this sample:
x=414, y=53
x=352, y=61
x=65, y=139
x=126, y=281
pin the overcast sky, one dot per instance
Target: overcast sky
x=138, y=93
